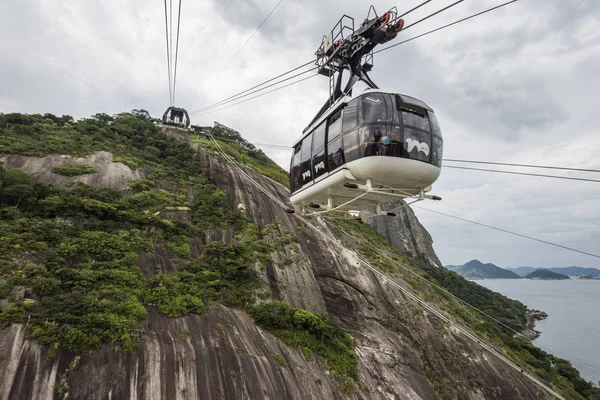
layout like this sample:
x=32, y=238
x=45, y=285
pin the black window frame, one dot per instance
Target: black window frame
x=293, y=168
x=318, y=155
x=306, y=163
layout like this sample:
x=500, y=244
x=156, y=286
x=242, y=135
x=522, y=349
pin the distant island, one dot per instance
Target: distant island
x=545, y=274
x=590, y=277
x=570, y=271
x=475, y=269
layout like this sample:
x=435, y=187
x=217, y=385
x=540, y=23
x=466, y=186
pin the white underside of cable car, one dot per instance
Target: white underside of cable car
x=378, y=179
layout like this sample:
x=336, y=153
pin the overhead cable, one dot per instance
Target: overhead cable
x=510, y=232
x=259, y=95
x=523, y=173
x=522, y=165
x=176, y=51
x=168, y=55
x=446, y=26
x=432, y=14
x=171, y=41
x=263, y=88
x=382, y=253
x=413, y=9
x=247, y=40
x=237, y=96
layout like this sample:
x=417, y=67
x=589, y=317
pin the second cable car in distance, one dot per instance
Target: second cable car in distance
x=371, y=148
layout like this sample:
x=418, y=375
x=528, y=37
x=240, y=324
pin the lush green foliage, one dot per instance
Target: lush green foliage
x=77, y=247
x=249, y=156
x=510, y=312
x=311, y=333
x=73, y=169
x=224, y=274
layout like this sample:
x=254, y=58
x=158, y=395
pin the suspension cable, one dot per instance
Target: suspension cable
x=168, y=54
x=413, y=9
x=265, y=87
x=247, y=40
x=259, y=95
x=446, y=26
x=171, y=40
x=238, y=95
x=510, y=232
x=433, y=14
x=522, y=165
x=176, y=50
x=380, y=252
x=522, y=173
x=253, y=87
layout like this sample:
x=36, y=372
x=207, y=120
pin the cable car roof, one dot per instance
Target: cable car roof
x=346, y=99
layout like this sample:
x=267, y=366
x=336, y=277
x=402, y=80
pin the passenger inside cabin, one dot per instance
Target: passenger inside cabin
x=376, y=145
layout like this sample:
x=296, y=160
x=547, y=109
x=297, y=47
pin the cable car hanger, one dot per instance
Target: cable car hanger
x=345, y=48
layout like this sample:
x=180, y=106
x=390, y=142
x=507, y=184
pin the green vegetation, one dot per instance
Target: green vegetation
x=311, y=332
x=223, y=274
x=78, y=247
x=74, y=169
x=232, y=143
x=560, y=373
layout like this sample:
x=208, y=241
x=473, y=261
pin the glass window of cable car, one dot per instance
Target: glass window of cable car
x=417, y=131
x=319, y=161
x=380, y=131
x=437, y=141
x=295, y=169
x=438, y=151
x=351, y=146
x=416, y=119
x=305, y=160
x=335, y=155
x=334, y=125
x=435, y=125
x=373, y=109
x=350, y=116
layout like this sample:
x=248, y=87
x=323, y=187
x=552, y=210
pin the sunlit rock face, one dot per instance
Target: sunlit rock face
x=107, y=173
x=404, y=352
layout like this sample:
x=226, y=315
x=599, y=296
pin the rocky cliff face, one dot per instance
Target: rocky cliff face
x=404, y=352
x=108, y=173
x=403, y=232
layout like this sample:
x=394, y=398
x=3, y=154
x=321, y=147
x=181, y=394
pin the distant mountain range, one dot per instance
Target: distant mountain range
x=571, y=271
x=475, y=269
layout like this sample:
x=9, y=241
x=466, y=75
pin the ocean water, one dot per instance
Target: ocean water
x=572, y=329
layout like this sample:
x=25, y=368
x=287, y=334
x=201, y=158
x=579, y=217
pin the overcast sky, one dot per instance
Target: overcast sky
x=518, y=85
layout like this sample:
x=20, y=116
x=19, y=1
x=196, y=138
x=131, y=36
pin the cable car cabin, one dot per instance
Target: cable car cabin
x=388, y=144
x=175, y=116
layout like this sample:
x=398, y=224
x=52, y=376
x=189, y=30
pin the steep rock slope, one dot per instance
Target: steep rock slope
x=403, y=232
x=404, y=352
x=107, y=173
